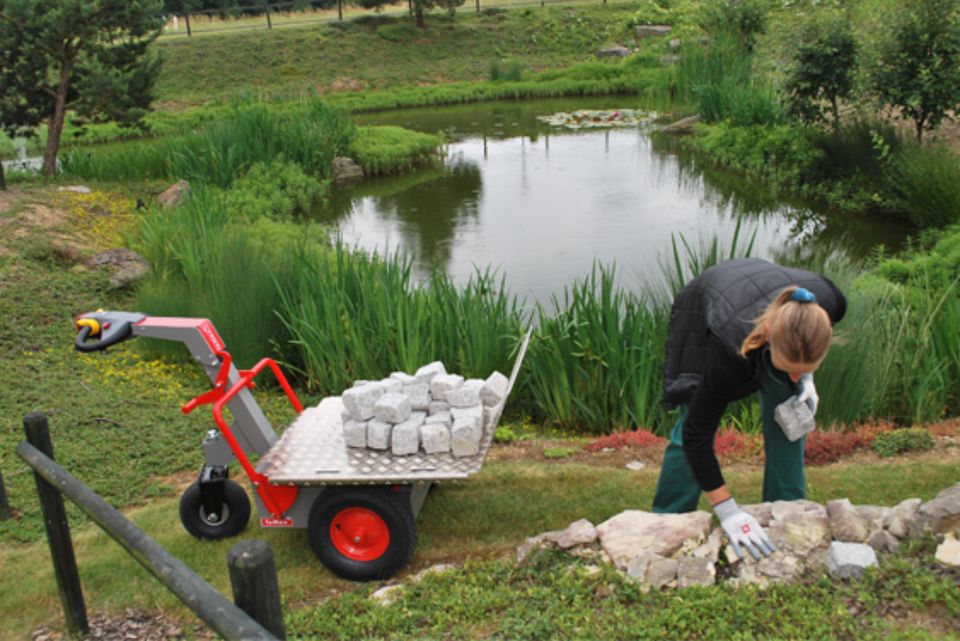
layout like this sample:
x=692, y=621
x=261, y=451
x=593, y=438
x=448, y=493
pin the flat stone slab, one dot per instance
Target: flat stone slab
x=635, y=532
x=849, y=560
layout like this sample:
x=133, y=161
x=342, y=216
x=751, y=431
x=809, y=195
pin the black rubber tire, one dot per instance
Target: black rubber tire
x=235, y=514
x=391, y=505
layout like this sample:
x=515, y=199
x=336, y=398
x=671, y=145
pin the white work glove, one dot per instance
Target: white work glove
x=742, y=530
x=808, y=393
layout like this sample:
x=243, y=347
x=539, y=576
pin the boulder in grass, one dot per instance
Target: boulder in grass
x=392, y=408
x=360, y=401
x=435, y=438
x=406, y=435
x=355, y=433
x=174, y=194
x=427, y=373
x=494, y=389
x=652, y=30
x=442, y=384
x=849, y=560
x=378, y=435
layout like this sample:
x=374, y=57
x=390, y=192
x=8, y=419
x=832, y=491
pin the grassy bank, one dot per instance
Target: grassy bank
x=381, y=52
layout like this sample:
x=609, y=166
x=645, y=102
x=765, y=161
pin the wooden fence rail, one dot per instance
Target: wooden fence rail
x=230, y=621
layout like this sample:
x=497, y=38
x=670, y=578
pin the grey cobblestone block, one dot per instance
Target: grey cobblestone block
x=392, y=408
x=465, y=436
x=404, y=378
x=355, y=433
x=406, y=435
x=438, y=407
x=494, y=389
x=419, y=395
x=444, y=418
x=467, y=395
x=427, y=373
x=435, y=438
x=360, y=401
x=442, y=384
x=392, y=385
x=378, y=435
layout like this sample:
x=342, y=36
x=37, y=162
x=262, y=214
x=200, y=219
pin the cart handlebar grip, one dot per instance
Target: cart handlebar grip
x=110, y=327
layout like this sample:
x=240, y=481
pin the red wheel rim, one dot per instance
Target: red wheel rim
x=359, y=534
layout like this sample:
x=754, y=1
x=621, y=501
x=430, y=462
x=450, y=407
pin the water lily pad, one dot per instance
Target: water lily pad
x=591, y=119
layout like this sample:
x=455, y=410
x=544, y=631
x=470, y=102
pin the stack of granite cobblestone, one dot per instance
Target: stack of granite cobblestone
x=430, y=410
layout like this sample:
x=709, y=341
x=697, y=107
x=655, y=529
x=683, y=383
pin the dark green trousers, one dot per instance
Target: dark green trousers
x=678, y=490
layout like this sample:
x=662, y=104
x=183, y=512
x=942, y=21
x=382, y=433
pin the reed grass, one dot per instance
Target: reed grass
x=925, y=182
x=248, y=133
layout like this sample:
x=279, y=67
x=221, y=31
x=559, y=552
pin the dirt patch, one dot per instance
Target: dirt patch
x=134, y=625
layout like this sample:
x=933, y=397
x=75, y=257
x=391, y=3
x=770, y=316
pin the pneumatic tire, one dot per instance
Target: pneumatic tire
x=231, y=520
x=363, y=533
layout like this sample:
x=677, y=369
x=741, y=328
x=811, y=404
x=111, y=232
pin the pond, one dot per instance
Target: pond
x=541, y=204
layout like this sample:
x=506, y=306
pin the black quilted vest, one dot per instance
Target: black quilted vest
x=724, y=301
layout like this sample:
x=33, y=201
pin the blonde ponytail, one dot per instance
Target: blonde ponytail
x=801, y=331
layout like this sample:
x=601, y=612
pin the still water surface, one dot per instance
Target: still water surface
x=541, y=204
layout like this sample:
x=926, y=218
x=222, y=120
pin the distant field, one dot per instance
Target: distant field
x=382, y=51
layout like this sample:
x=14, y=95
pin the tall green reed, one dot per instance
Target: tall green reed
x=221, y=150
x=926, y=184
x=357, y=316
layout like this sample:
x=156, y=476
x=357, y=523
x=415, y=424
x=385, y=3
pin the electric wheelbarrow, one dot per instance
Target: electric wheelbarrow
x=359, y=506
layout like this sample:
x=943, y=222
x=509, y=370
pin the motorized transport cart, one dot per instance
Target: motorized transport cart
x=359, y=506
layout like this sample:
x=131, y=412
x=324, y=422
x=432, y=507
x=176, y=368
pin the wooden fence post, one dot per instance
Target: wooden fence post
x=58, y=532
x=266, y=10
x=253, y=575
x=5, y=511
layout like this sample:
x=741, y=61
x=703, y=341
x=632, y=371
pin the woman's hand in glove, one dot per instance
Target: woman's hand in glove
x=742, y=530
x=808, y=393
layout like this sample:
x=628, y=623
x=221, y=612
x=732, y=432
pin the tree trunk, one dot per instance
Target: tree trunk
x=3, y=179
x=836, y=113
x=919, y=122
x=418, y=12
x=55, y=128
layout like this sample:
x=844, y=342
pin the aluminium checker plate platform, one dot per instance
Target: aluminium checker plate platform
x=312, y=451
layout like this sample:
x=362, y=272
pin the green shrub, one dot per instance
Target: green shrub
x=651, y=12
x=904, y=440
x=276, y=189
x=383, y=150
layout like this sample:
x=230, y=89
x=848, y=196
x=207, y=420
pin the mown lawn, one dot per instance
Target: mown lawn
x=382, y=52
x=116, y=426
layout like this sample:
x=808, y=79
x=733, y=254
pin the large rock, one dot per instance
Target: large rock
x=378, y=435
x=846, y=523
x=941, y=515
x=849, y=560
x=419, y=395
x=618, y=51
x=661, y=571
x=696, y=571
x=465, y=435
x=580, y=532
x=355, y=433
x=174, y=194
x=126, y=265
x=426, y=373
x=683, y=126
x=636, y=532
x=345, y=169
x=652, y=30
x=948, y=552
x=901, y=517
